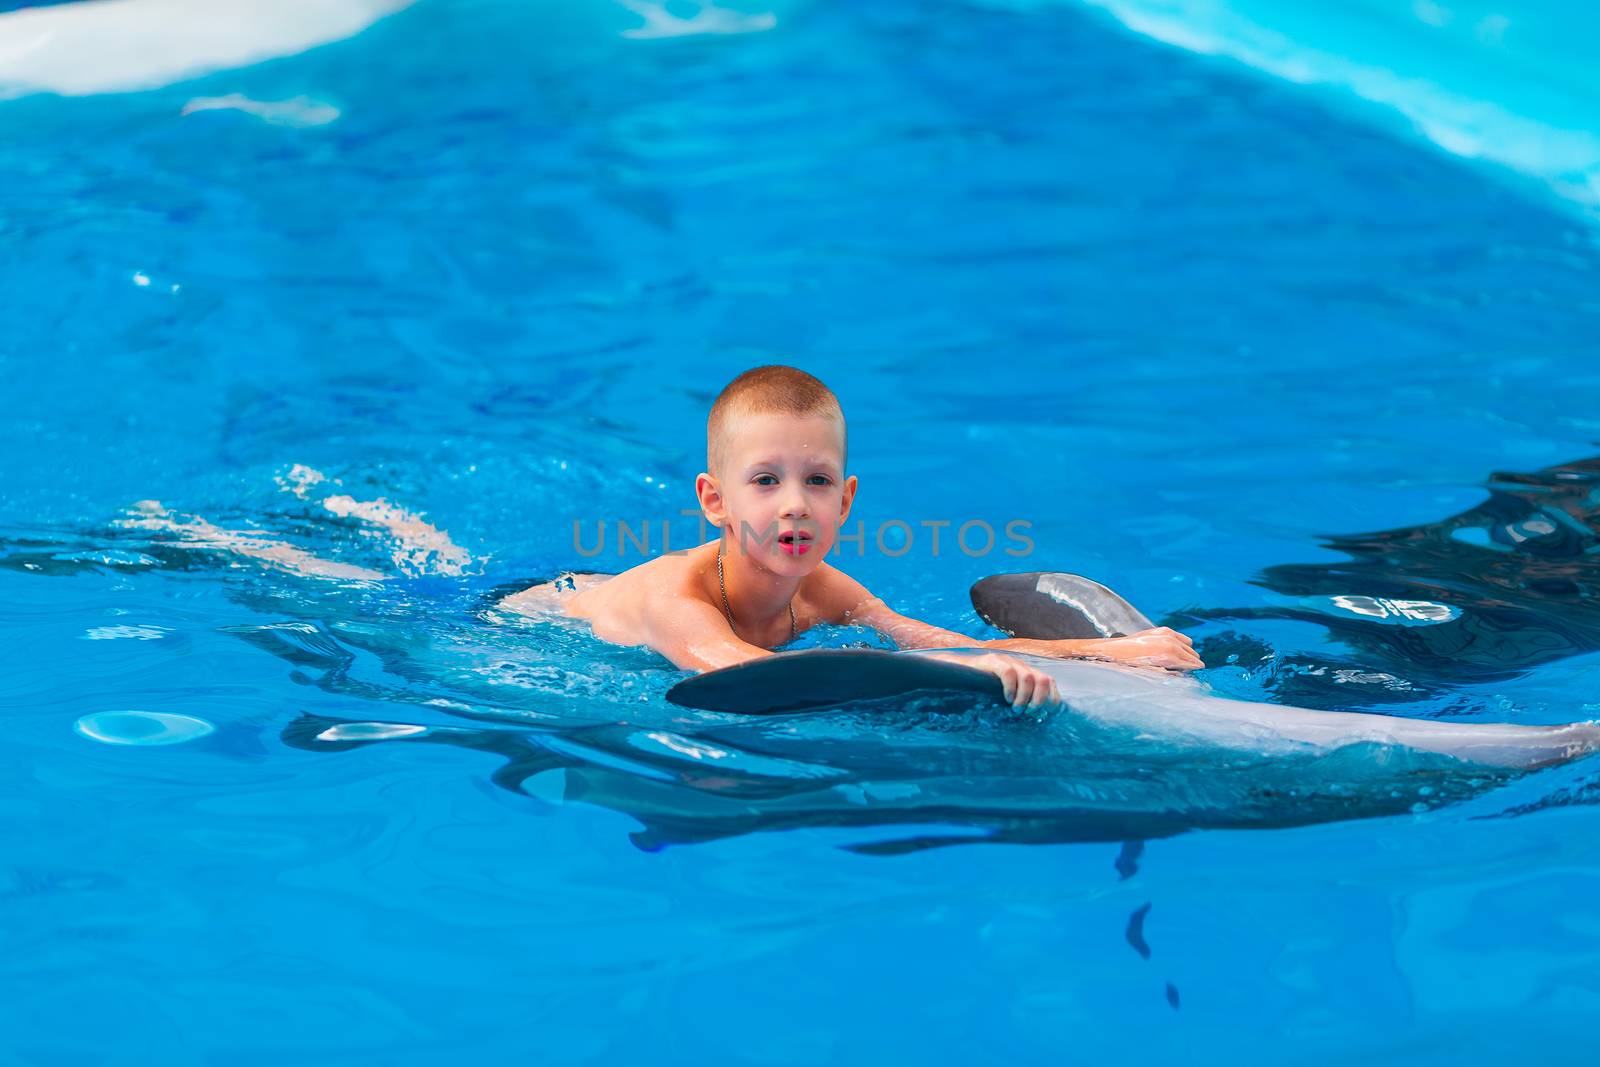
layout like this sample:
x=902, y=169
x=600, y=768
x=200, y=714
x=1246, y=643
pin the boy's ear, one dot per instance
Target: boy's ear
x=709, y=492
x=849, y=498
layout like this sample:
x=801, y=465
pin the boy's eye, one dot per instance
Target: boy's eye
x=820, y=479
x=766, y=479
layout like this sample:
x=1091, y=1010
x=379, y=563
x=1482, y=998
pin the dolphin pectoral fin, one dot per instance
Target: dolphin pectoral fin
x=827, y=678
x=1051, y=605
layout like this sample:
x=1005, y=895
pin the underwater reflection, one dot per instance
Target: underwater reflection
x=983, y=775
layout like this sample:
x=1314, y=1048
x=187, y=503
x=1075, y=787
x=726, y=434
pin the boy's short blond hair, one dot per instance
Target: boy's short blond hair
x=770, y=390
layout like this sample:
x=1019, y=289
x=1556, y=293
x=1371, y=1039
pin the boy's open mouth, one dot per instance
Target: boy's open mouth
x=795, y=542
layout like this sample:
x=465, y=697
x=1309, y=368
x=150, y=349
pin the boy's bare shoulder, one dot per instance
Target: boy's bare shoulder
x=665, y=577
x=641, y=591
x=832, y=595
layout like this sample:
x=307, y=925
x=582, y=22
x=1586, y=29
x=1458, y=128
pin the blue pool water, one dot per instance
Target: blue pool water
x=1190, y=319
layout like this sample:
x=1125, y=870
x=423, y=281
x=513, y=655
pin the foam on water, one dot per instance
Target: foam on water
x=122, y=45
x=300, y=112
x=660, y=21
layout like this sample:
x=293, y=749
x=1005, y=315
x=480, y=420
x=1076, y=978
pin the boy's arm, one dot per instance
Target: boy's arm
x=1157, y=647
x=694, y=635
x=838, y=598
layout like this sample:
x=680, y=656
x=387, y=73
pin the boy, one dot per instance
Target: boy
x=775, y=485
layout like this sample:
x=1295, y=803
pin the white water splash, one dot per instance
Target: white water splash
x=126, y=633
x=707, y=19
x=299, y=112
x=108, y=46
x=419, y=547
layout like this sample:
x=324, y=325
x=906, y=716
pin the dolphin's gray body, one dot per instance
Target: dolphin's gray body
x=1178, y=707
x=1176, y=710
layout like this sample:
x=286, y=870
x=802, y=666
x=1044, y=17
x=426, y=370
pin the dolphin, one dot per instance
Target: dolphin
x=1180, y=708
x=1164, y=708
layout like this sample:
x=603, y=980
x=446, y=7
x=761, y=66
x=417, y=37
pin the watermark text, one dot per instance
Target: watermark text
x=892, y=537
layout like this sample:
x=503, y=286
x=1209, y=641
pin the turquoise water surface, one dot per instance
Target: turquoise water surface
x=1202, y=317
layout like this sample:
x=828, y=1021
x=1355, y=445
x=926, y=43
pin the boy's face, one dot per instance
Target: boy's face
x=781, y=492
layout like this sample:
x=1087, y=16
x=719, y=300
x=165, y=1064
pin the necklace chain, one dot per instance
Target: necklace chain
x=722, y=586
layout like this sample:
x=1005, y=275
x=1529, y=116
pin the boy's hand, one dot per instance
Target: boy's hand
x=1156, y=647
x=1026, y=686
